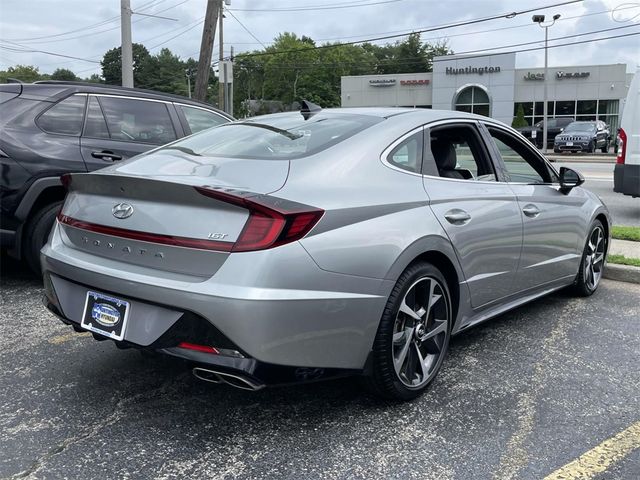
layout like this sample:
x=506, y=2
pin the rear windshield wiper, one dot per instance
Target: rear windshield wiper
x=186, y=150
x=286, y=133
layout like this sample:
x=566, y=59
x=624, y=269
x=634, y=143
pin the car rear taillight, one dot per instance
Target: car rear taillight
x=622, y=146
x=272, y=221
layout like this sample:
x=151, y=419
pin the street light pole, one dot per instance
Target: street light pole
x=539, y=19
x=545, y=112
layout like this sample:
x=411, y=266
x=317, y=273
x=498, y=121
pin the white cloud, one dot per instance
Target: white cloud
x=36, y=18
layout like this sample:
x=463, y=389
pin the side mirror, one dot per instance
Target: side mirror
x=569, y=179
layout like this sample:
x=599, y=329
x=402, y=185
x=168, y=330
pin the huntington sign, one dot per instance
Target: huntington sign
x=471, y=70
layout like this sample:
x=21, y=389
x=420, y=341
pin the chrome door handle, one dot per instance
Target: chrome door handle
x=531, y=211
x=457, y=216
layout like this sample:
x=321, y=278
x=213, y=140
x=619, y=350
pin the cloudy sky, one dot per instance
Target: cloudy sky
x=87, y=28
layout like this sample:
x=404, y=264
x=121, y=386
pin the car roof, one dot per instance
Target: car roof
x=55, y=89
x=426, y=114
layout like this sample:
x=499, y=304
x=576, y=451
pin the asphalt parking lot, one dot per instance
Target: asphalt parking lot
x=519, y=397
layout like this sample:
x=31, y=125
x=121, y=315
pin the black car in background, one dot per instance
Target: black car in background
x=556, y=126
x=51, y=128
x=583, y=137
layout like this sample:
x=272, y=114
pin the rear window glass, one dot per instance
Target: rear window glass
x=278, y=137
x=64, y=117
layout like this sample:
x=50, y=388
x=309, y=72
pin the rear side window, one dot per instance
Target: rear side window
x=278, y=137
x=199, y=119
x=132, y=120
x=408, y=154
x=95, y=126
x=65, y=117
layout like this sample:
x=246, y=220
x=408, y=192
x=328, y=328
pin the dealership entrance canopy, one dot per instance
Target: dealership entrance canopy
x=491, y=85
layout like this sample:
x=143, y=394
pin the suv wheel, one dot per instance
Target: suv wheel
x=36, y=234
x=413, y=335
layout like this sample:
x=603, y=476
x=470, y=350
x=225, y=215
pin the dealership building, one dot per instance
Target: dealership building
x=491, y=85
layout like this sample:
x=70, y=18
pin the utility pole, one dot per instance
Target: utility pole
x=221, y=75
x=126, y=49
x=206, y=48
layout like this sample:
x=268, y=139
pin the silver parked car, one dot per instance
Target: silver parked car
x=306, y=245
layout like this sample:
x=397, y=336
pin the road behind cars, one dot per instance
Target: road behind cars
x=519, y=397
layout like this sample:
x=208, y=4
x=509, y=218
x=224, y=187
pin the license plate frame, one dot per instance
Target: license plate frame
x=569, y=144
x=105, y=315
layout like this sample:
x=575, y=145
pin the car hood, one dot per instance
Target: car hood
x=576, y=133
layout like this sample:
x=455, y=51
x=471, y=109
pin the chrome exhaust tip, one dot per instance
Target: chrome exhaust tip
x=237, y=381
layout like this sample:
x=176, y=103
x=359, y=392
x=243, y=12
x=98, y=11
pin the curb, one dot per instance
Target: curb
x=622, y=273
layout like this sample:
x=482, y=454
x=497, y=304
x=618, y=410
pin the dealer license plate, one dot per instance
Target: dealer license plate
x=105, y=315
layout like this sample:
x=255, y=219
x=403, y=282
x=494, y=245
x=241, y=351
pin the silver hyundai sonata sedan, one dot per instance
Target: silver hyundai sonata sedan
x=313, y=244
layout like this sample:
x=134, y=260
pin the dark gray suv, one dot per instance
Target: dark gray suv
x=51, y=128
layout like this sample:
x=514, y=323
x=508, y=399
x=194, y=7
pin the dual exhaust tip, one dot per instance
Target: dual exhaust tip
x=234, y=380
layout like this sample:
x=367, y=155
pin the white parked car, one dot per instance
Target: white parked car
x=626, y=176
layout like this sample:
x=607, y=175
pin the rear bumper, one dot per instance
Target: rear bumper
x=277, y=306
x=626, y=179
x=258, y=373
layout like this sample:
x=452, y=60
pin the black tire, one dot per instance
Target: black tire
x=36, y=234
x=584, y=285
x=591, y=148
x=557, y=150
x=383, y=380
x=605, y=147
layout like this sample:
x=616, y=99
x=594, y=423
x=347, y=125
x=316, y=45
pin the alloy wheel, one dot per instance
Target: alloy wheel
x=594, y=258
x=420, y=332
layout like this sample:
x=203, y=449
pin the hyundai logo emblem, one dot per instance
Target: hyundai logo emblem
x=122, y=210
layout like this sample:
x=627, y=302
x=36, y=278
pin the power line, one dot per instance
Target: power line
x=37, y=40
x=414, y=60
x=179, y=34
x=312, y=8
x=431, y=29
x=245, y=28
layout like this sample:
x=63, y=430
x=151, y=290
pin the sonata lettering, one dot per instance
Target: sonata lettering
x=471, y=70
x=414, y=82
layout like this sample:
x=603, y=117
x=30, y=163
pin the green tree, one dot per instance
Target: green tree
x=94, y=78
x=112, y=65
x=291, y=69
x=63, y=74
x=519, y=120
x=24, y=73
x=406, y=56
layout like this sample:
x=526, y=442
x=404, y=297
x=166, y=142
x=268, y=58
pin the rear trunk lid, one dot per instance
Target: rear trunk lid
x=149, y=213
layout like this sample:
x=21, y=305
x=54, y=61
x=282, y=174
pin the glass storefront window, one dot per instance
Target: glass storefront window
x=539, y=107
x=586, y=107
x=473, y=100
x=608, y=107
x=565, y=108
x=526, y=106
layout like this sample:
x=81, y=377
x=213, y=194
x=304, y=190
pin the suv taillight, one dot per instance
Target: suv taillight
x=272, y=221
x=622, y=146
